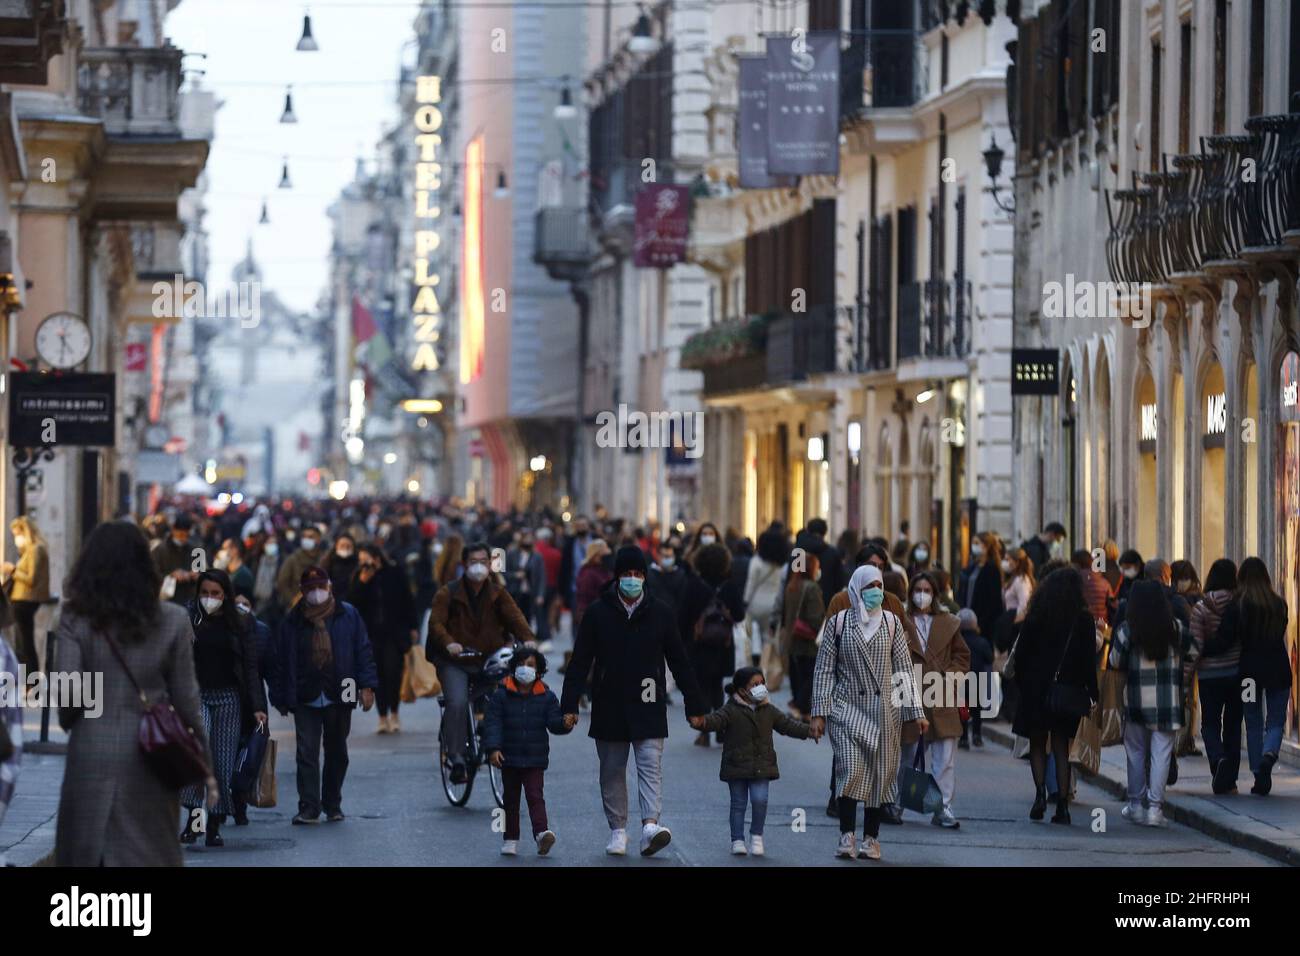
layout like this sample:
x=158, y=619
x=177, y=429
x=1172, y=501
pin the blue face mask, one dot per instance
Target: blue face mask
x=872, y=598
x=630, y=587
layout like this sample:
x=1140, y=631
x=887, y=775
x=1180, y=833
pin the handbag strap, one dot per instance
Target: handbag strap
x=1064, y=652
x=117, y=652
x=918, y=759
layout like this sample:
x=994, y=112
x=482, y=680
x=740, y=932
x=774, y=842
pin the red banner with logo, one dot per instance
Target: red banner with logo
x=662, y=226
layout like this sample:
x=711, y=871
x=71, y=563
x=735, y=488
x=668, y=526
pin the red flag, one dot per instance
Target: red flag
x=363, y=323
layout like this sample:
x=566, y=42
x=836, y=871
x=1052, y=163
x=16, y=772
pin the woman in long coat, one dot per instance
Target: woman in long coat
x=863, y=653
x=940, y=651
x=114, y=810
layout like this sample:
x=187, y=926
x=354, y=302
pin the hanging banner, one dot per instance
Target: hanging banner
x=662, y=226
x=752, y=122
x=803, y=104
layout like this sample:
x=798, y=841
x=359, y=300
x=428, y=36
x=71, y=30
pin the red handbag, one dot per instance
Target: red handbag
x=169, y=747
x=802, y=630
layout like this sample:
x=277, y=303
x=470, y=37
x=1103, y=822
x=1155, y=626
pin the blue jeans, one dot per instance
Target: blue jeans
x=754, y=792
x=1221, y=722
x=1264, y=731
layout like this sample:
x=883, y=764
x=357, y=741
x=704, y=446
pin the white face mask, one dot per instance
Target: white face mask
x=977, y=549
x=222, y=561
x=922, y=599
x=1131, y=573
x=922, y=554
x=758, y=693
x=272, y=549
x=344, y=553
x=667, y=563
x=244, y=608
x=211, y=604
x=1007, y=566
x=309, y=544
x=707, y=539
x=20, y=540
x=477, y=571
x=525, y=674
x=1057, y=549
x=318, y=596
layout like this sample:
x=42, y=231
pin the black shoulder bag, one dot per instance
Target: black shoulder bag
x=1067, y=700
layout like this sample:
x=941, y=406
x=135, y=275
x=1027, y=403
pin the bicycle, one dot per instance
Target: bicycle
x=481, y=687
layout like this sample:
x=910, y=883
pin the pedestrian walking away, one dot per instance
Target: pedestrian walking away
x=521, y=715
x=748, y=754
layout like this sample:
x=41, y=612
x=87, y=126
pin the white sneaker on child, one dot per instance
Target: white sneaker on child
x=756, y=845
x=545, y=840
x=510, y=848
x=738, y=848
x=617, y=843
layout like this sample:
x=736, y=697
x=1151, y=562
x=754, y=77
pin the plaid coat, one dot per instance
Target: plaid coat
x=1153, y=689
x=113, y=809
x=11, y=723
x=853, y=687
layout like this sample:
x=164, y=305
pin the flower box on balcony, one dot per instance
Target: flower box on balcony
x=725, y=342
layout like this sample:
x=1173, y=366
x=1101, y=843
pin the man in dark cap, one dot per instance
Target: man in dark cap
x=322, y=665
x=630, y=635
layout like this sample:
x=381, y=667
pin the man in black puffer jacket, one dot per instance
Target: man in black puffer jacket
x=521, y=715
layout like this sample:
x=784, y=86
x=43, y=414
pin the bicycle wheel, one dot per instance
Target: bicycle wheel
x=457, y=793
x=498, y=786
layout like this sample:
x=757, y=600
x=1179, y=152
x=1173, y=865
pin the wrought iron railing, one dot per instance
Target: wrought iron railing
x=934, y=319
x=802, y=344
x=560, y=239
x=881, y=69
x=134, y=90
x=1238, y=193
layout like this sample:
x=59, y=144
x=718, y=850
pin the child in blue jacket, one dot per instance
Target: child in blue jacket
x=521, y=716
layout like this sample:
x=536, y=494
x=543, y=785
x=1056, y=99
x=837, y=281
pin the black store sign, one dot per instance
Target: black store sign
x=1035, y=372
x=81, y=405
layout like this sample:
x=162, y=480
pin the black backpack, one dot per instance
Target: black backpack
x=714, y=626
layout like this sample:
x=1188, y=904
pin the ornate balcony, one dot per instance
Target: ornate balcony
x=881, y=69
x=802, y=345
x=934, y=319
x=1239, y=198
x=560, y=241
x=134, y=90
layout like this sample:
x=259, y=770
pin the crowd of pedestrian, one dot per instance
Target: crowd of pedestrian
x=312, y=609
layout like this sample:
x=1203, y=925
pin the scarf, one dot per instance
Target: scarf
x=318, y=615
x=869, y=620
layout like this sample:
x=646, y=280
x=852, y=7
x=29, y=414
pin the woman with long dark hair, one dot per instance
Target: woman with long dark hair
x=381, y=594
x=114, y=809
x=1150, y=645
x=1056, y=645
x=231, y=693
x=1256, y=622
x=1216, y=678
x=714, y=601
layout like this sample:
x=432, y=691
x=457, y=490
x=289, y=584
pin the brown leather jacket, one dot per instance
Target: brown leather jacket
x=485, y=625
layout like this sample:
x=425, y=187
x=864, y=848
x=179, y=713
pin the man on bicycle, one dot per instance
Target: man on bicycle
x=473, y=614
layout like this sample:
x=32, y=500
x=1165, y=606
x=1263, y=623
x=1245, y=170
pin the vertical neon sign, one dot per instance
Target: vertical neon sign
x=471, y=339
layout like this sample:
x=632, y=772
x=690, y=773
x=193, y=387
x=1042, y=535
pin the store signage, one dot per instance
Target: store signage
x=752, y=126
x=803, y=104
x=1150, y=422
x=1289, y=388
x=137, y=356
x=71, y=408
x=426, y=311
x=662, y=226
x=1035, y=372
x=1216, y=414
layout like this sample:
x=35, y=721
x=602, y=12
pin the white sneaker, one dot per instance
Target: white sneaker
x=1134, y=813
x=510, y=848
x=617, y=843
x=756, y=845
x=870, y=849
x=738, y=848
x=654, y=838
x=1156, y=817
x=545, y=840
x=848, y=848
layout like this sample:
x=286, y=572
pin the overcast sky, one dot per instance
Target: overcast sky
x=343, y=95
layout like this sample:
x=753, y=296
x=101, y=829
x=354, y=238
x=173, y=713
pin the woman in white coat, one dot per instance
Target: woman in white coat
x=763, y=583
x=863, y=655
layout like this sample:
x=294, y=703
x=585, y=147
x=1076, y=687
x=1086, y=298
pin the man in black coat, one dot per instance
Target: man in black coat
x=1039, y=547
x=629, y=635
x=813, y=540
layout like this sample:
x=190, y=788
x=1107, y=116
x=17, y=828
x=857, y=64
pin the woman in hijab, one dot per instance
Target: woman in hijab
x=230, y=692
x=854, y=692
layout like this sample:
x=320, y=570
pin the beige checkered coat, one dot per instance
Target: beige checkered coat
x=852, y=683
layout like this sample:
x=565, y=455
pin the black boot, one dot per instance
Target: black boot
x=1062, y=814
x=214, y=830
x=1040, y=804
x=189, y=835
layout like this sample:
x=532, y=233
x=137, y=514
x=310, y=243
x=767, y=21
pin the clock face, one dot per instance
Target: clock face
x=63, y=340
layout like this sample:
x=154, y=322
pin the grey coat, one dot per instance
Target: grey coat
x=113, y=809
x=853, y=688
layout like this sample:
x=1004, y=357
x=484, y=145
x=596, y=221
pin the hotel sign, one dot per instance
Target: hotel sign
x=426, y=311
